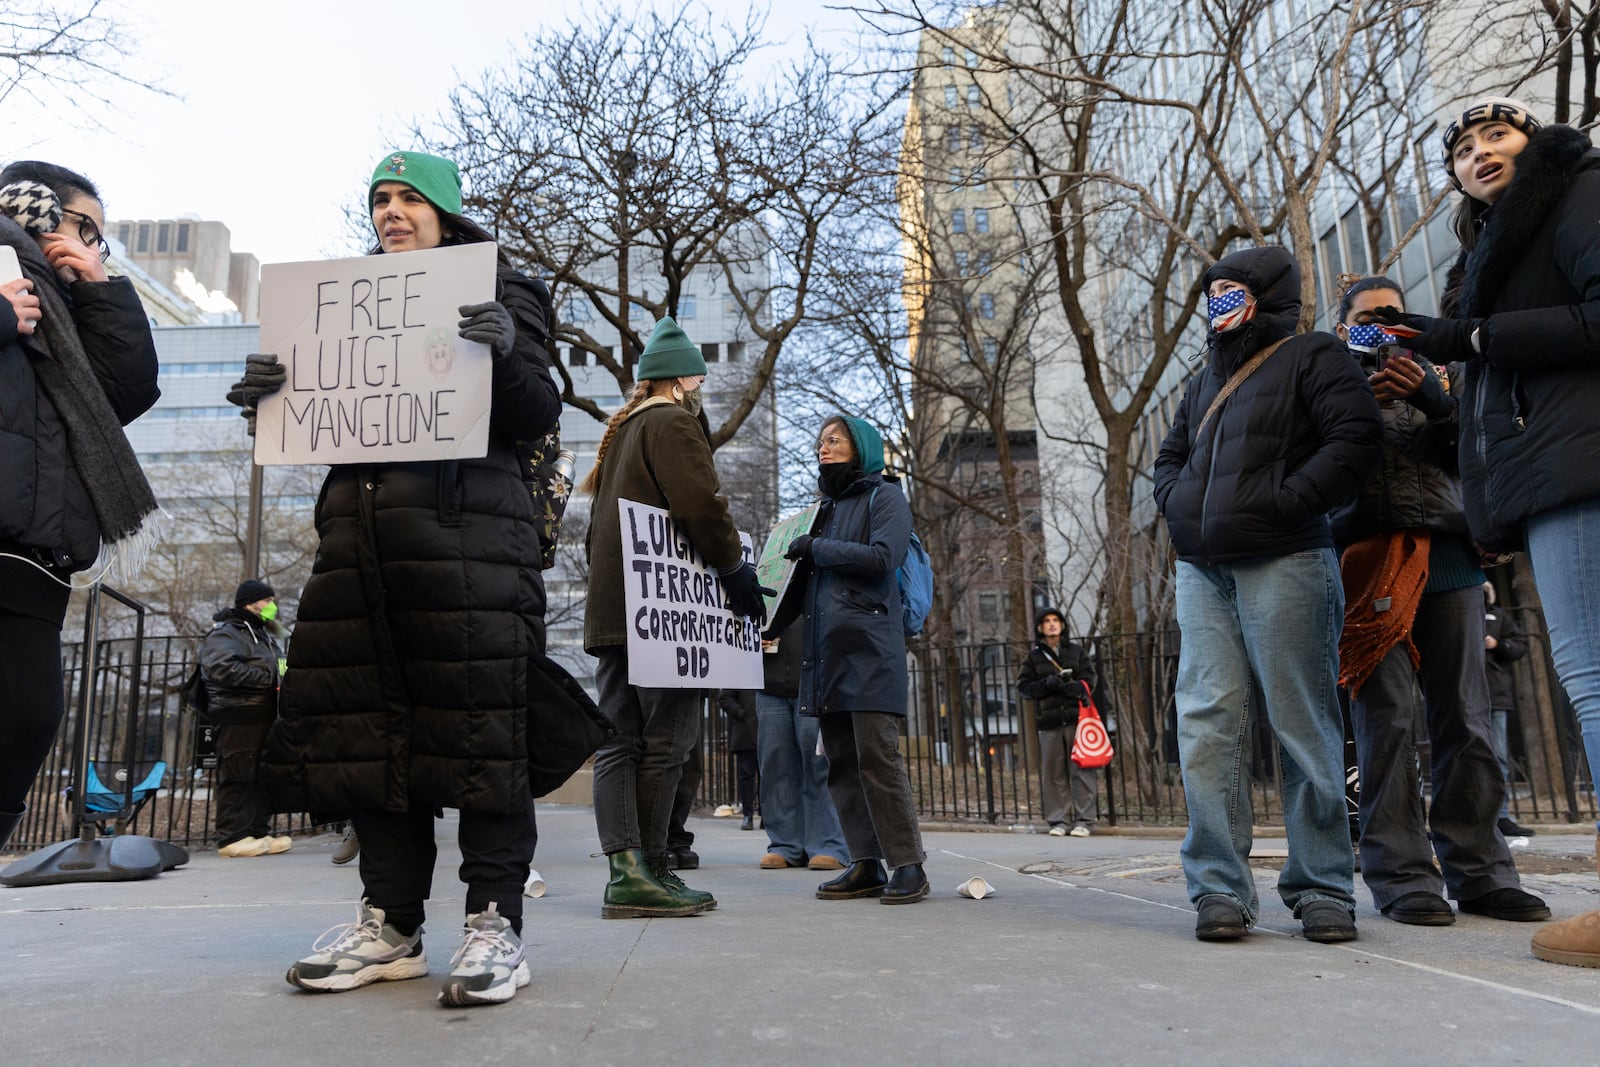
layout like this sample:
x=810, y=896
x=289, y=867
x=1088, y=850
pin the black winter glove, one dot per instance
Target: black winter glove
x=1056, y=683
x=799, y=548
x=744, y=593
x=1441, y=340
x=263, y=376
x=490, y=324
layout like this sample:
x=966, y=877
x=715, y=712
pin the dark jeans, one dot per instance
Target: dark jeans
x=398, y=853
x=744, y=762
x=636, y=772
x=31, y=702
x=694, y=769
x=1061, y=780
x=868, y=782
x=242, y=806
x=1396, y=857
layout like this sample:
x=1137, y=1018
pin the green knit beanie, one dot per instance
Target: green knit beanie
x=434, y=177
x=670, y=354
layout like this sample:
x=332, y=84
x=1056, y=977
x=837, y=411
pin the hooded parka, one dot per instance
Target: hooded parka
x=408, y=676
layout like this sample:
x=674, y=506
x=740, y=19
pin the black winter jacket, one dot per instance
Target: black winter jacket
x=1297, y=439
x=1058, y=681
x=1414, y=486
x=1531, y=440
x=739, y=705
x=239, y=662
x=408, y=675
x=1510, y=645
x=45, y=512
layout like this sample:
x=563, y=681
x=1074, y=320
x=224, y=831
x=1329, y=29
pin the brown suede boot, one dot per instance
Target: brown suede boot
x=1576, y=941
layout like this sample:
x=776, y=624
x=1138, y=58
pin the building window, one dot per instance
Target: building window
x=974, y=97
x=952, y=139
x=958, y=221
x=577, y=357
x=124, y=234
x=986, y=306
x=730, y=306
x=711, y=352
x=971, y=58
x=951, y=97
x=989, y=608
x=985, y=263
x=686, y=307
x=961, y=263
x=948, y=54
x=163, y=237
x=1027, y=481
x=955, y=175
x=975, y=138
x=144, y=237
x=978, y=178
x=183, y=237
x=735, y=351
x=980, y=219
x=991, y=350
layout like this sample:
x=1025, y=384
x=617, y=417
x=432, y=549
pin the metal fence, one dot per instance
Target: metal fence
x=971, y=749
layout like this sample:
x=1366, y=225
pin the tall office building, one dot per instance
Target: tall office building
x=165, y=248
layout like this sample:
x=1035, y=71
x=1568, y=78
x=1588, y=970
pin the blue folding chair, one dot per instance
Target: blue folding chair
x=107, y=805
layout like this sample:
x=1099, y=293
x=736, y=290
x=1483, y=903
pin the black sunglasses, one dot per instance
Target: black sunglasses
x=89, y=233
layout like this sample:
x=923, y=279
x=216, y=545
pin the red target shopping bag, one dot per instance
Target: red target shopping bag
x=1091, y=746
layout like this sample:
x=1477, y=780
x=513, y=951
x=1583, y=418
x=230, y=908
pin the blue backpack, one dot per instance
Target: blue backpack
x=915, y=578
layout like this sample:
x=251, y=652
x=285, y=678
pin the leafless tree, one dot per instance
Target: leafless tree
x=62, y=54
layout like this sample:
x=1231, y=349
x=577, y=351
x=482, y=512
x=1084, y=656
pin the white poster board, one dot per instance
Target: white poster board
x=680, y=636
x=376, y=372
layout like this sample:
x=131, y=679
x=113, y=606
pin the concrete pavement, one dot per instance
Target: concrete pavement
x=1086, y=951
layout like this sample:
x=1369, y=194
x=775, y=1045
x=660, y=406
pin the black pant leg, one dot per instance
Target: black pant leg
x=31, y=702
x=496, y=855
x=242, y=809
x=397, y=857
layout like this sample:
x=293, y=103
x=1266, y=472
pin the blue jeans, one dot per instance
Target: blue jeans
x=1500, y=735
x=796, y=810
x=1267, y=627
x=1564, y=548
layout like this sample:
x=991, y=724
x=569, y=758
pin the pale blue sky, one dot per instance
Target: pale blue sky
x=285, y=108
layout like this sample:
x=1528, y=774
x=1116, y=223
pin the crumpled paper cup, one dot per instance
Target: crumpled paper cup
x=975, y=888
x=534, y=886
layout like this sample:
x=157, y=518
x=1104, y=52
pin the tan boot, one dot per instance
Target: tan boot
x=1576, y=941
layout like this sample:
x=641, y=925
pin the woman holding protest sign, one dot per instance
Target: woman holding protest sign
x=657, y=451
x=408, y=682
x=854, y=670
x=76, y=365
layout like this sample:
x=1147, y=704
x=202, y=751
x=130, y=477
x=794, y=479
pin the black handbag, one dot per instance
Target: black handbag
x=564, y=725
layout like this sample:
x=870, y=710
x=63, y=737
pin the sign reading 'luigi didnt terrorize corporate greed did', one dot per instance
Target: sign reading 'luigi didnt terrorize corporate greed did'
x=681, y=635
x=376, y=371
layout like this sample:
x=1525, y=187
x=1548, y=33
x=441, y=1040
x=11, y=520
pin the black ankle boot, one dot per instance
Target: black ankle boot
x=863, y=878
x=906, y=886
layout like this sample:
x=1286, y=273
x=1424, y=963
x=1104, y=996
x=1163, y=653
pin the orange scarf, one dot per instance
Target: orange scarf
x=1383, y=581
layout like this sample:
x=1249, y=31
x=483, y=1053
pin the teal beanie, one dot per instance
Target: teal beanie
x=434, y=177
x=670, y=354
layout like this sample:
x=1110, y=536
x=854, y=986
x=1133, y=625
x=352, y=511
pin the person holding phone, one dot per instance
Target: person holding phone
x=1059, y=678
x=77, y=364
x=1414, y=619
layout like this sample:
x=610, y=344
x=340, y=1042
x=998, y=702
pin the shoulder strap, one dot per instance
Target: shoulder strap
x=1231, y=386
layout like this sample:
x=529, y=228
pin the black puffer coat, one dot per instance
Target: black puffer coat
x=1297, y=439
x=1530, y=437
x=1415, y=486
x=239, y=662
x=408, y=674
x=45, y=512
x=1059, y=680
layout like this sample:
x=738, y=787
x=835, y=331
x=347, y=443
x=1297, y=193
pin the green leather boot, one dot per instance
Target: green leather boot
x=634, y=892
x=661, y=867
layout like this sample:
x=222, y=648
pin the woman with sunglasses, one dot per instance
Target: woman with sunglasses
x=77, y=364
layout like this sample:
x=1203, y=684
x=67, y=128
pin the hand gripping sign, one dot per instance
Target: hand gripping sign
x=376, y=372
x=680, y=634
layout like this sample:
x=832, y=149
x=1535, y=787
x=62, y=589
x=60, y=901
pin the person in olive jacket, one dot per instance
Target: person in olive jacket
x=656, y=450
x=853, y=671
x=77, y=364
x=241, y=661
x=408, y=682
x=1058, y=677
x=1246, y=494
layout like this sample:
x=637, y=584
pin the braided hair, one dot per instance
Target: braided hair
x=641, y=392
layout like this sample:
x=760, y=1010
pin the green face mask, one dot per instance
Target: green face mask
x=269, y=610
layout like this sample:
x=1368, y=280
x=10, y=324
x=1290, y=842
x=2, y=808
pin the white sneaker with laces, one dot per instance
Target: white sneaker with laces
x=490, y=965
x=355, y=954
x=1080, y=831
x=1058, y=831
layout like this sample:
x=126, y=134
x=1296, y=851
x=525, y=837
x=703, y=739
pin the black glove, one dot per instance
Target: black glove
x=744, y=593
x=263, y=376
x=1441, y=340
x=490, y=324
x=799, y=548
x=1056, y=683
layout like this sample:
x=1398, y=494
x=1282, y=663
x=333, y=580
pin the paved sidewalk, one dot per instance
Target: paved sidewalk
x=1085, y=953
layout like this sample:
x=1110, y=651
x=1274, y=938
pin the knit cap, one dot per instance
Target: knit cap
x=669, y=354
x=434, y=177
x=1488, y=109
x=251, y=590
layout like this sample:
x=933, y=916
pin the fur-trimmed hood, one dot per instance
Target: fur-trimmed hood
x=1543, y=174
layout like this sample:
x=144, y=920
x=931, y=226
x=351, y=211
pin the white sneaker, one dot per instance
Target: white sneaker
x=279, y=844
x=1080, y=831
x=360, y=953
x=1058, y=831
x=490, y=965
x=246, y=846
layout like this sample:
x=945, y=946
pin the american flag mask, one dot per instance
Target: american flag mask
x=1230, y=310
x=1368, y=337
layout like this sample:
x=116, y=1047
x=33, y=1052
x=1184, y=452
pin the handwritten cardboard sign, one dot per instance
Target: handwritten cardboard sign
x=774, y=571
x=680, y=633
x=376, y=370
